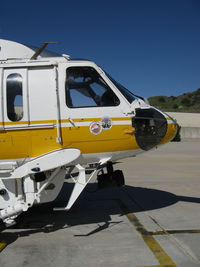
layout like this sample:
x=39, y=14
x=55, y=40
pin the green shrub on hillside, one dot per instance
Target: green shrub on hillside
x=187, y=102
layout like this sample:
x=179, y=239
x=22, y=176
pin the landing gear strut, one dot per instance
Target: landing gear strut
x=111, y=178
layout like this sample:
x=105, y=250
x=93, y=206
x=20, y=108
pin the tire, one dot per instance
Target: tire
x=118, y=177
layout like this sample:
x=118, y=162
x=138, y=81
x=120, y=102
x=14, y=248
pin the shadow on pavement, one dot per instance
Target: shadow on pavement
x=93, y=206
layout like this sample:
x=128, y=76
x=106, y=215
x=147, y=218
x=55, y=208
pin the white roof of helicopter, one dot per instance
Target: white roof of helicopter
x=10, y=50
x=14, y=52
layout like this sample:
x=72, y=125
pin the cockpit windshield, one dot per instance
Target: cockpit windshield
x=126, y=93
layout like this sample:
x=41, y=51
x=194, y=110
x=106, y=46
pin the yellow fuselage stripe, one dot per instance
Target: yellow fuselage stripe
x=28, y=143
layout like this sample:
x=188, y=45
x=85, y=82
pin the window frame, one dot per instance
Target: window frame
x=109, y=89
x=14, y=83
x=25, y=121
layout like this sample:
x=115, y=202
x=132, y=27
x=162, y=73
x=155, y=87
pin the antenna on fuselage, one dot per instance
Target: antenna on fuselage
x=41, y=48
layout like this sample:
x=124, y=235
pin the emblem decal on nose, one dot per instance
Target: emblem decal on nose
x=95, y=127
x=106, y=123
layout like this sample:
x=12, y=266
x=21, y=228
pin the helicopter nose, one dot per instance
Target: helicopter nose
x=171, y=132
x=152, y=128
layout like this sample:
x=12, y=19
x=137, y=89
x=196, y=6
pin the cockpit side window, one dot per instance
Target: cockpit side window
x=125, y=92
x=86, y=88
x=14, y=97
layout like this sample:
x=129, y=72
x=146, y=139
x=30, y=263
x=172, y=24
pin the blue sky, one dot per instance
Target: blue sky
x=150, y=46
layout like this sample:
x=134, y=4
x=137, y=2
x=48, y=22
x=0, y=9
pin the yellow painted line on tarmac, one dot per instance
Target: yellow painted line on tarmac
x=3, y=244
x=172, y=232
x=157, y=250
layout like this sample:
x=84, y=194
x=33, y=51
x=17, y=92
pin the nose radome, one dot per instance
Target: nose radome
x=152, y=127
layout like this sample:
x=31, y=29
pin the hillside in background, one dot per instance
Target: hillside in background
x=189, y=102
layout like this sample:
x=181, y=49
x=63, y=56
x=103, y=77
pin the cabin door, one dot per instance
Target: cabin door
x=14, y=142
x=30, y=117
x=96, y=122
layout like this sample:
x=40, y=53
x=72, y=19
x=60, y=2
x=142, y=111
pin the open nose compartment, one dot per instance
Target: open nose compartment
x=150, y=127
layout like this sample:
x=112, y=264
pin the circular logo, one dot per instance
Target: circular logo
x=106, y=123
x=95, y=128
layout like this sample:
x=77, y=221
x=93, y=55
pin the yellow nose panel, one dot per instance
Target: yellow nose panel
x=171, y=133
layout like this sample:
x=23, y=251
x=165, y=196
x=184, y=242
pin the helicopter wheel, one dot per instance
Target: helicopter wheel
x=118, y=177
x=103, y=180
x=111, y=178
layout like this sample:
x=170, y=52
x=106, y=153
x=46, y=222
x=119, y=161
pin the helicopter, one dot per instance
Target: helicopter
x=58, y=115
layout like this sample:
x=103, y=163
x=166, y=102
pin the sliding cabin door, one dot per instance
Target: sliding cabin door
x=14, y=142
x=29, y=112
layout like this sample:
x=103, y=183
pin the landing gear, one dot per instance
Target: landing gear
x=111, y=178
x=118, y=177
